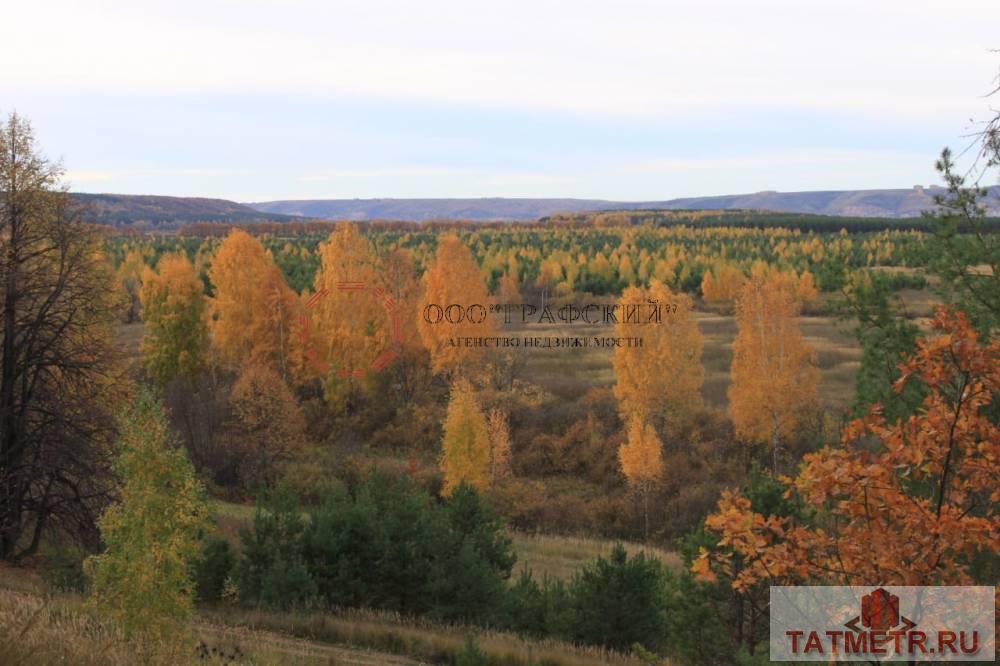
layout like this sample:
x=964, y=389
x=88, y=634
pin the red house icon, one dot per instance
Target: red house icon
x=880, y=610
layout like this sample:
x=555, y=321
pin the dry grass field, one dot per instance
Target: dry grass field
x=38, y=628
x=561, y=557
x=569, y=373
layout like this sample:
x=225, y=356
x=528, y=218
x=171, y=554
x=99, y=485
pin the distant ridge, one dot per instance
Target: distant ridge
x=895, y=203
x=155, y=211
x=419, y=210
x=151, y=211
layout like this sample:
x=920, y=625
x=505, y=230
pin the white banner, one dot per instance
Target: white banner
x=812, y=623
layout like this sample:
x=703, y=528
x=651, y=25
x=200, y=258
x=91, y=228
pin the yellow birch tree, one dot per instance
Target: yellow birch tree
x=451, y=284
x=774, y=375
x=465, y=451
x=660, y=382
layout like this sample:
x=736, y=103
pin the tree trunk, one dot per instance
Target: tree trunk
x=10, y=504
x=645, y=513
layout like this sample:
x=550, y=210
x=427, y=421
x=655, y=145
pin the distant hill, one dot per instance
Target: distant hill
x=419, y=210
x=156, y=211
x=909, y=202
x=850, y=203
x=146, y=211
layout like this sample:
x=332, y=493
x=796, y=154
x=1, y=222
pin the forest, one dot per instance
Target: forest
x=251, y=444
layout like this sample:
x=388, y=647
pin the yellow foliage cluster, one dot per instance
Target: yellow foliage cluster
x=465, y=451
x=453, y=279
x=660, y=382
x=774, y=374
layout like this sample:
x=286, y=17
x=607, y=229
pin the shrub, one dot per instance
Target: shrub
x=212, y=569
x=619, y=601
x=373, y=547
x=272, y=571
x=62, y=566
x=387, y=544
x=472, y=654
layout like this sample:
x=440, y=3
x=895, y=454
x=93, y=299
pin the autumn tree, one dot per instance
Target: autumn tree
x=410, y=371
x=722, y=284
x=269, y=424
x=805, y=287
x=254, y=311
x=60, y=377
x=350, y=326
x=142, y=581
x=399, y=278
x=174, y=311
x=453, y=280
x=130, y=277
x=465, y=454
x=550, y=273
x=641, y=460
x=660, y=382
x=909, y=502
x=774, y=377
x=500, y=443
x=508, y=290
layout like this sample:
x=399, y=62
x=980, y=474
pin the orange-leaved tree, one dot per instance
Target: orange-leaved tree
x=722, y=284
x=905, y=503
x=130, y=276
x=350, y=325
x=254, y=309
x=465, y=450
x=174, y=311
x=455, y=306
x=399, y=278
x=641, y=460
x=270, y=426
x=659, y=382
x=508, y=289
x=774, y=375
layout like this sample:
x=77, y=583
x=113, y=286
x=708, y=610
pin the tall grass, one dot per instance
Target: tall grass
x=38, y=631
x=562, y=556
x=418, y=639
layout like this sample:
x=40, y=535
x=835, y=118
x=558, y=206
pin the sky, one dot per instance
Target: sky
x=254, y=100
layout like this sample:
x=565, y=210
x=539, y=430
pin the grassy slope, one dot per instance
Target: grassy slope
x=37, y=627
x=40, y=628
x=543, y=555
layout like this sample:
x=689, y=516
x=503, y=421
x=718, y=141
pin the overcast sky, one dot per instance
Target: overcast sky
x=255, y=100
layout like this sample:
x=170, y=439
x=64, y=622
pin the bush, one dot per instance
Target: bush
x=212, y=569
x=271, y=570
x=373, y=547
x=62, y=566
x=475, y=555
x=619, y=601
x=385, y=545
x=472, y=654
x=287, y=585
x=540, y=611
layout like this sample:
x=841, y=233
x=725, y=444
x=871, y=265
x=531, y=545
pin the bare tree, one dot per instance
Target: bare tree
x=57, y=357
